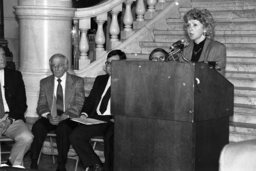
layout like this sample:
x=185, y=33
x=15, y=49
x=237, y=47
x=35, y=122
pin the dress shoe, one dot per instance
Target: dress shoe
x=8, y=162
x=33, y=165
x=61, y=169
x=97, y=167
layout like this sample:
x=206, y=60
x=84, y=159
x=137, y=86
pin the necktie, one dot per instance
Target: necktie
x=1, y=104
x=104, y=102
x=59, y=98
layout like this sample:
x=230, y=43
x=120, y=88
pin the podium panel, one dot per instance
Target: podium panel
x=169, y=116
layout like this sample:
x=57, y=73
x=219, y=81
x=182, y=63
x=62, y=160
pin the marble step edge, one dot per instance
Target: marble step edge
x=241, y=75
x=238, y=3
x=179, y=21
x=250, y=126
x=244, y=108
x=235, y=45
x=238, y=138
x=245, y=92
x=221, y=7
x=228, y=33
x=242, y=59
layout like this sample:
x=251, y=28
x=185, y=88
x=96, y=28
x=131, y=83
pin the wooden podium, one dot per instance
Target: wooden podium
x=169, y=116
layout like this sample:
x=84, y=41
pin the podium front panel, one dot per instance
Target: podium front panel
x=153, y=145
x=153, y=90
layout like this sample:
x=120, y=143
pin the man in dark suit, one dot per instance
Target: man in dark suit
x=12, y=108
x=61, y=97
x=97, y=106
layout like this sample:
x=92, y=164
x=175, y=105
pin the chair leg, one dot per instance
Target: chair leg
x=77, y=161
x=0, y=154
x=52, y=150
x=39, y=157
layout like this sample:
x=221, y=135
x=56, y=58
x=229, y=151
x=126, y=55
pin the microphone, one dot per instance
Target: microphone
x=179, y=44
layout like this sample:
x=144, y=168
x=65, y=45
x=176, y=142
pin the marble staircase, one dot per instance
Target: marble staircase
x=236, y=28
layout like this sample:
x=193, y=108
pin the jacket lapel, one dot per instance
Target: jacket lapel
x=69, y=89
x=50, y=87
x=204, y=56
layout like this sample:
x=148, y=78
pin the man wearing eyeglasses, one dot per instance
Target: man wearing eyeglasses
x=61, y=98
x=97, y=106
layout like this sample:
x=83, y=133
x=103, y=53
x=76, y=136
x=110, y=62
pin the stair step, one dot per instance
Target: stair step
x=229, y=10
x=222, y=24
x=231, y=5
x=241, y=66
x=238, y=59
x=222, y=36
x=243, y=108
x=244, y=117
x=242, y=82
x=241, y=131
x=245, y=75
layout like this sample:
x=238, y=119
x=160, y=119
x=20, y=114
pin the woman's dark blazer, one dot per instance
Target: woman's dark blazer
x=212, y=51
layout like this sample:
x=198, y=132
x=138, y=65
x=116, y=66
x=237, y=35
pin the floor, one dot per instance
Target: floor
x=46, y=162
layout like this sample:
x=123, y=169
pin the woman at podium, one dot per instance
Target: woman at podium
x=199, y=26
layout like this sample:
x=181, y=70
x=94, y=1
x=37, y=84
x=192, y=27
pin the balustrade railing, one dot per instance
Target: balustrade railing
x=111, y=28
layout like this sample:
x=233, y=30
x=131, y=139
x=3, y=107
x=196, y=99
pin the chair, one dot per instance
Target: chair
x=94, y=142
x=50, y=148
x=4, y=139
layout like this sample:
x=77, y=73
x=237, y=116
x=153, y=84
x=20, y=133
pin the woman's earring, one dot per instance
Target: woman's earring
x=204, y=33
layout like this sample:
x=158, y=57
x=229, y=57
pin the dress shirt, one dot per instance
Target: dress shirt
x=63, y=84
x=107, y=112
x=6, y=107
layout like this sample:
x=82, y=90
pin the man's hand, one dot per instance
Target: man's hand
x=63, y=117
x=53, y=120
x=4, y=125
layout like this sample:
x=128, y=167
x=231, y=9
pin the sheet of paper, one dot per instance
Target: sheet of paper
x=88, y=121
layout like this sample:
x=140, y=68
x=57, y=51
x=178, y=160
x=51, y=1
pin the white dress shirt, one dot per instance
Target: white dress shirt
x=107, y=112
x=6, y=107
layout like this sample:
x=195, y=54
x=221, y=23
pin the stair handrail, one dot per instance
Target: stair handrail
x=95, y=68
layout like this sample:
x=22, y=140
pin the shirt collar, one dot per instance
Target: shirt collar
x=63, y=78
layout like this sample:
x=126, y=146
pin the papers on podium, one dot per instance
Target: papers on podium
x=88, y=121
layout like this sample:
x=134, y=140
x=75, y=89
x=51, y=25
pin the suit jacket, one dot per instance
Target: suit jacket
x=92, y=101
x=15, y=93
x=74, y=95
x=212, y=51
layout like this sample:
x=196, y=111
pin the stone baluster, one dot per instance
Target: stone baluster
x=151, y=11
x=161, y=1
x=114, y=26
x=100, y=37
x=161, y=4
x=75, y=43
x=140, y=10
x=128, y=19
x=151, y=5
x=84, y=26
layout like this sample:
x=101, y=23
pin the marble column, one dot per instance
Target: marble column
x=45, y=29
x=2, y=40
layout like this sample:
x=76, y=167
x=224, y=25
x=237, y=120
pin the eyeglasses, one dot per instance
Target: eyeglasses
x=58, y=66
x=107, y=63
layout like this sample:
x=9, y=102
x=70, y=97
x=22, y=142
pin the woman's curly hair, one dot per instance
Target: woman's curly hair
x=203, y=16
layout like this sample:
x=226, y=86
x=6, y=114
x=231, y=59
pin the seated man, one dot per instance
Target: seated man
x=61, y=97
x=12, y=108
x=97, y=106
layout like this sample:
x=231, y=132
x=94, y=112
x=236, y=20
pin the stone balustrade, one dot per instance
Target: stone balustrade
x=116, y=32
